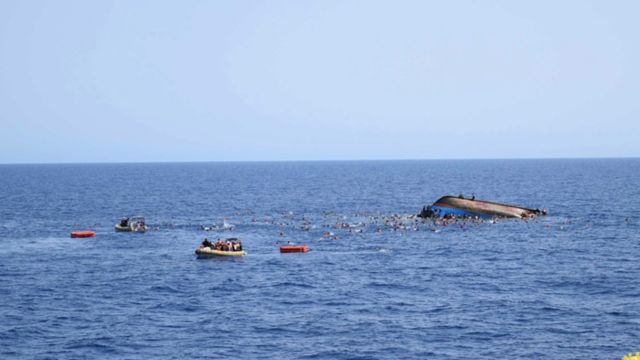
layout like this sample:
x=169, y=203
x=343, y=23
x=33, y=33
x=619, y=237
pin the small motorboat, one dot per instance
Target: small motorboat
x=294, y=249
x=220, y=248
x=83, y=233
x=133, y=224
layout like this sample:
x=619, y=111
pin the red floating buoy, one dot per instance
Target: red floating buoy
x=83, y=234
x=294, y=248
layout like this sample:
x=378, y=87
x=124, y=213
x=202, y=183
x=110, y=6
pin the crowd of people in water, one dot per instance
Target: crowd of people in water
x=336, y=226
x=223, y=245
x=331, y=226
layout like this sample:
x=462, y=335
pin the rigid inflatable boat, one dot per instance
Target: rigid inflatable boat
x=207, y=251
x=135, y=224
x=222, y=247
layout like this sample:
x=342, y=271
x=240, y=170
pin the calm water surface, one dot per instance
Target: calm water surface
x=560, y=287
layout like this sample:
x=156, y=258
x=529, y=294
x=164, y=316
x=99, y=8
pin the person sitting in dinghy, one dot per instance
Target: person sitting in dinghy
x=207, y=243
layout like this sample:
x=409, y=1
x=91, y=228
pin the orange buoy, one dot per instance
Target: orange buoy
x=83, y=234
x=294, y=248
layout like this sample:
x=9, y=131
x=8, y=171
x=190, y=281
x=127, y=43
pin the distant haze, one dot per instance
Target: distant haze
x=111, y=81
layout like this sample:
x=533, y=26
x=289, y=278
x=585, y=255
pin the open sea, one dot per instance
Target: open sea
x=377, y=284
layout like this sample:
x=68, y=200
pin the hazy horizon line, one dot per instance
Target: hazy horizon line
x=316, y=160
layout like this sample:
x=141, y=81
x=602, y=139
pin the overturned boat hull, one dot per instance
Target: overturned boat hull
x=462, y=207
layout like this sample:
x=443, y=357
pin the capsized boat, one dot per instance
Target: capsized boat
x=460, y=206
x=133, y=224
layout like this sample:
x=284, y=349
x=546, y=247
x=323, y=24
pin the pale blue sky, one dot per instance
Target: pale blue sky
x=108, y=81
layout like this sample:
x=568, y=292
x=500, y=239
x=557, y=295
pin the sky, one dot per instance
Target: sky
x=137, y=81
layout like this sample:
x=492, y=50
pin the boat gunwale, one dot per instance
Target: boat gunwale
x=212, y=252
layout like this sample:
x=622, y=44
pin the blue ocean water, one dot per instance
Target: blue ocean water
x=563, y=286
